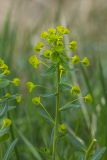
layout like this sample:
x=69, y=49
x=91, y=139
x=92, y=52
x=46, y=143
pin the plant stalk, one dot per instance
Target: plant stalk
x=57, y=115
x=89, y=150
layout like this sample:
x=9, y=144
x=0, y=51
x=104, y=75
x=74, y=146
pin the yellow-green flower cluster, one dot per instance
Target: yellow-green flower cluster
x=36, y=100
x=75, y=90
x=85, y=61
x=55, y=32
x=7, y=122
x=76, y=59
x=34, y=61
x=16, y=81
x=58, y=32
x=55, y=37
x=53, y=48
x=4, y=68
x=7, y=95
x=62, y=30
x=44, y=34
x=52, y=30
x=18, y=98
x=47, y=53
x=88, y=98
x=73, y=45
x=30, y=86
x=53, y=42
x=39, y=46
x=62, y=128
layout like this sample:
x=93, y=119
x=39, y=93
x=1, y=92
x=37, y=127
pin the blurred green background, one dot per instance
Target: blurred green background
x=21, y=22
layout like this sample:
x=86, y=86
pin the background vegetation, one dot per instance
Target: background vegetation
x=21, y=23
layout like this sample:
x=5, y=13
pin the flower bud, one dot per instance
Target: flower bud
x=75, y=90
x=75, y=59
x=18, y=99
x=7, y=122
x=34, y=61
x=47, y=53
x=7, y=95
x=52, y=30
x=39, y=46
x=86, y=61
x=62, y=128
x=73, y=45
x=88, y=98
x=36, y=100
x=44, y=34
x=16, y=81
x=62, y=30
x=30, y=86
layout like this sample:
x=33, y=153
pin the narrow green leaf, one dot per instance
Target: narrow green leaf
x=3, y=111
x=32, y=149
x=69, y=106
x=48, y=95
x=99, y=154
x=76, y=141
x=10, y=150
x=102, y=80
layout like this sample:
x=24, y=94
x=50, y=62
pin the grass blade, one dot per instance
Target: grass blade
x=10, y=150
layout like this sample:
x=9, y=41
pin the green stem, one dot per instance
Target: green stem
x=57, y=115
x=44, y=64
x=89, y=150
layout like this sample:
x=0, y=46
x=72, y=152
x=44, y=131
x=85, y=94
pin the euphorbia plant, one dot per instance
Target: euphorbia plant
x=51, y=52
x=6, y=99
